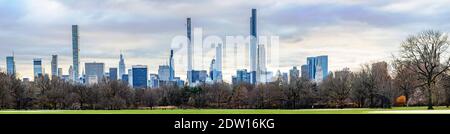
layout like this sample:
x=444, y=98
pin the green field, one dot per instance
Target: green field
x=395, y=110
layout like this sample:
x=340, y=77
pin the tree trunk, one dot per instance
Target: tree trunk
x=430, y=99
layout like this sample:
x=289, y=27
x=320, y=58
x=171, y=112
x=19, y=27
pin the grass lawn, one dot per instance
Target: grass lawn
x=395, y=110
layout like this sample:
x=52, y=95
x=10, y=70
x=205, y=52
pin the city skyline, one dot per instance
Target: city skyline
x=349, y=40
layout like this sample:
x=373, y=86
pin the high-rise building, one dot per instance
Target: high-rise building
x=189, y=50
x=154, y=81
x=253, y=47
x=199, y=76
x=253, y=41
x=215, y=69
x=60, y=72
x=71, y=74
x=37, y=68
x=218, y=64
x=242, y=76
x=140, y=77
x=75, y=51
x=113, y=74
x=125, y=78
x=130, y=77
x=305, y=73
x=171, y=67
x=164, y=73
x=284, y=77
x=10, y=65
x=317, y=67
x=54, y=66
x=212, y=70
x=94, y=72
x=294, y=74
x=261, y=68
x=121, y=66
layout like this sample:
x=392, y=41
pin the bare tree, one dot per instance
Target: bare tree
x=425, y=55
x=446, y=85
x=405, y=80
x=338, y=86
x=363, y=87
x=383, y=84
x=239, y=98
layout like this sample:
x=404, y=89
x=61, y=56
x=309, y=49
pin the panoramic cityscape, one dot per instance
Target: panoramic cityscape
x=251, y=66
x=260, y=55
x=137, y=76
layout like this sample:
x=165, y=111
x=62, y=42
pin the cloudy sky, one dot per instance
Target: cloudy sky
x=350, y=32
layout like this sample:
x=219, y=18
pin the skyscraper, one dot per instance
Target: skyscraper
x=139, y=76
x=261, y=64
x=317, y=67
x=75, y=51
x=71, y=74
x=242, y=76
x=130, y=77
x=215, y=69
x=253, y=47
x=198, y=76
x=218, y=63
x=121, y=66
x=164, y=72
x=54, y=66
x=212, y=70
x=293, y=74
x=154, y=81
x=60, y=72
x=253, y=41
x=189, y=50
x=113, y=74
x=171, y=67
x=305, y=72
x=37, y=67
x=94, y=72
x=10, y=65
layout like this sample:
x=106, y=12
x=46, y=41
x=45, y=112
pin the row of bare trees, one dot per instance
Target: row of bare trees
x=419, y=73
x=370, y=87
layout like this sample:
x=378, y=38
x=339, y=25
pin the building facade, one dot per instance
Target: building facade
x=294, y=74
x=242, y=76
x=75, y=51
x=94, y=72
x=54, y=66
x=317, y=68
x=37, y=68
x=113, y=74
x=139, y=76
x=10, y=65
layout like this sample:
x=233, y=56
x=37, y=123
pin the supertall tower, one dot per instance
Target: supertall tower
x=253, y=46
x=171, y=67
x=189, y=50
x=75, y=51
x=121, y=66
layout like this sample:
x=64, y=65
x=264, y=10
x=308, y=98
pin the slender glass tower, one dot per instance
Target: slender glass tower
x=253, y=47
x=75, y=51
x=171, y=67
x=10, y=65
x=121, y=66
x=189, y=50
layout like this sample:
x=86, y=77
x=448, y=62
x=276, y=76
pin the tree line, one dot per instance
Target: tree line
x=419, y=74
